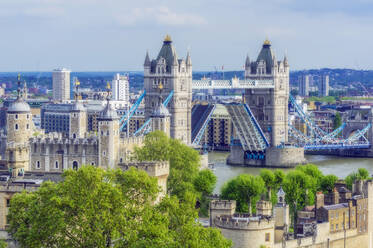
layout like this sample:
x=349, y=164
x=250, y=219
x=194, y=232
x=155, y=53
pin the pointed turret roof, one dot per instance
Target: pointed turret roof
x=266, y=54
x=247, y=62
x=168, y=51
x=188, y=59
x=147, y=59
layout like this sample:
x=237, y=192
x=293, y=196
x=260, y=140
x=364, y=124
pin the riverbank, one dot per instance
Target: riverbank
x=339, y=166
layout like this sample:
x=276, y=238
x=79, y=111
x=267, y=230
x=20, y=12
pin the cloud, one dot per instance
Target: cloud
x=160, y=15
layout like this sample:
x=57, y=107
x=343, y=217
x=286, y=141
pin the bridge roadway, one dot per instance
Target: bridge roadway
x=235, y=83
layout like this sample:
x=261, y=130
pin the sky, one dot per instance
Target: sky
x=114, y=35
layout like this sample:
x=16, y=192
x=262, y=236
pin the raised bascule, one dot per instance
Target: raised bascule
x=261, y=125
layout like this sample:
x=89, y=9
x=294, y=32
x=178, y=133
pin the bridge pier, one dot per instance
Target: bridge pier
x=274, y=157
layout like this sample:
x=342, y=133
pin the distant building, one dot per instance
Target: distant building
x=61, y=84
x=120, y=88
x=304, y=85
x=324, y=86
x=2, y=91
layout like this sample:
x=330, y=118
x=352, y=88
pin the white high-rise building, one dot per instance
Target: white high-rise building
x=61, y=84
x=304, y=85
x=324, y=85
x=120, y=88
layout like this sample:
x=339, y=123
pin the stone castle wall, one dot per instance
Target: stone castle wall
x=247, y=232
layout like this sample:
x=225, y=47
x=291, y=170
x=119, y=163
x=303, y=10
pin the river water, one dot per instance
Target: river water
x=339, y=166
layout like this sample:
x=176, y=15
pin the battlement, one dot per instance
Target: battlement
x=153, y=168
x=59, y=139
x=222, y=204
x=131, y=140
x=244, y=222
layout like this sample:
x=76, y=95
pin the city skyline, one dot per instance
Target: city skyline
x=82, y=35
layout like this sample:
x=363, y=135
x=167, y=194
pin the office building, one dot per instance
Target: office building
x=61, y=84
x=304, y=85
x=120, y=88
x=324, y=85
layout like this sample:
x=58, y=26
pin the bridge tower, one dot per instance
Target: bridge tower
x=174, y=75
x=269, y=106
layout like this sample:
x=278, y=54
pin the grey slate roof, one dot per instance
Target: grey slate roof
x=108, y=113
x=267, y=55
x=336, y=206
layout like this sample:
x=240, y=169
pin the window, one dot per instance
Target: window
x=16, y=126
x=16, y=117
x=74, y=136
x=336, y=227
x=37, y=164
x=75, y=165
x=27, y=126
x=28, y=116
x=336, y=215
x=92, y=163
x=56, y=165
x=331, y=227
x=267, y=237
x=7, y=203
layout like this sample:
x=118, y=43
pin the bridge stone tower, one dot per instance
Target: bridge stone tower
x=174, y=75
x=269, y=106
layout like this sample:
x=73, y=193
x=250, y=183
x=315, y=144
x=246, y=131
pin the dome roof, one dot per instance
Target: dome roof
x=108, y=113
x=161, y=111
x=19, y=106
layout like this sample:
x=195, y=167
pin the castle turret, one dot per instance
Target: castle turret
x=281, y=216
x=78, y=116
x=174, y=75
x=108, y=134
x=19, y=131
x=161, y=116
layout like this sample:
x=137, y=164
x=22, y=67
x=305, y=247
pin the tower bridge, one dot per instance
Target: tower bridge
x=261, y=127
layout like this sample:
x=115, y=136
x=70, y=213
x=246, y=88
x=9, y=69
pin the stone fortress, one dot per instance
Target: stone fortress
x=27, y=157
x=341, y=218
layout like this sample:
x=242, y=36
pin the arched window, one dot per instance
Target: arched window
x=75, y=165
x=27, y=126
x=37, y=164
x=56, y=165
x=16, y=117
x=74, y=136
x=92, y=163
x=16, y=126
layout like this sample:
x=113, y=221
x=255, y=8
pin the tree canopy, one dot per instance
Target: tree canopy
x=96, y=208
x=184, y=161
x=245, y=189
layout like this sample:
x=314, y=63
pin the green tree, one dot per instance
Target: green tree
x=327, y=183
x=96, y=208
x=184, y=161
x=337, y=122
x=204, y=183
x=245, y=189
x=269, y=179
x=296, y=186
x=279, y=177
x=361, y=174
x=3, y=244
x=315, y=175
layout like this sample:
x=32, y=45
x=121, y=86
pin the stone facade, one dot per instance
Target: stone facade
x=269, y=106
x=174, y=75
x=346, y=222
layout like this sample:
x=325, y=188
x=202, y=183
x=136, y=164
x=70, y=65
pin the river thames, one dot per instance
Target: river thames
x=339, y=166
